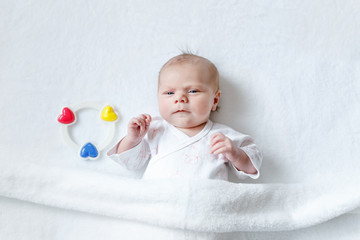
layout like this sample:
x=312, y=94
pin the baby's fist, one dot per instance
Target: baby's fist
x=220, y=144
x=138, y=126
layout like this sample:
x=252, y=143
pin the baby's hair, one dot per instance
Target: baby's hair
x=189, y=57
x=188, y=51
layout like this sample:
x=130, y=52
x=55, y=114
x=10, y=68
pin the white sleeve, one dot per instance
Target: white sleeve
x=250, y=148
x=134, y=158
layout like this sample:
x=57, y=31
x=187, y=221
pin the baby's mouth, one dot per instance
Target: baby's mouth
x=180, y=111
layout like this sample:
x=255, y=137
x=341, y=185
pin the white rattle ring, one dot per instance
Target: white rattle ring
x=88, y=150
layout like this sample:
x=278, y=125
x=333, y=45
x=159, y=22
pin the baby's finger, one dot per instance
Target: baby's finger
x=147, y=119
x=133, y=127
x=142, y=125
x=134, y=123
x=217, y=138
x=220, y=150
x=217, y=135
x=216, y=146
x=141, y=117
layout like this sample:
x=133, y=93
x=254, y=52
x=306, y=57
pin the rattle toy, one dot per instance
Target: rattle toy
x=89, y=150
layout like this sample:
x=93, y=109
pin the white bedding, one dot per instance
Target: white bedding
x=289, y=78
x=197, y=205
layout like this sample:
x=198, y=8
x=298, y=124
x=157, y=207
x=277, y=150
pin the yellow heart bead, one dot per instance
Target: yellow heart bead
x=108, y=114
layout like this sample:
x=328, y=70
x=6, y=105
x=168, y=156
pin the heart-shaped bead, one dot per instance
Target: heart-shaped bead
x=108, y=114
x=89, y=150
x=67, y=116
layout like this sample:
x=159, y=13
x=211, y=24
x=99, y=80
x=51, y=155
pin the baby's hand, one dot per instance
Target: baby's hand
x=138, y=127
x=220, y=144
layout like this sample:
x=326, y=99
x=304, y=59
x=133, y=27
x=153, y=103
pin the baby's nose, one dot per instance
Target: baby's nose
x=181, y=99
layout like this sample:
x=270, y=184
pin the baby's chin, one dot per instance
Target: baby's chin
x=184, y=122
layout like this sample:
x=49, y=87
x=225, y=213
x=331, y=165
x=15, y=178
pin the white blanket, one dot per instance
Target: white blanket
x=198, y=205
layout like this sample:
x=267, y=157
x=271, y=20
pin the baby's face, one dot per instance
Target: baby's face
x=187, y=95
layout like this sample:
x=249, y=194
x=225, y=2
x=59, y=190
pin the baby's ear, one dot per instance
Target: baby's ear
x=216, y=100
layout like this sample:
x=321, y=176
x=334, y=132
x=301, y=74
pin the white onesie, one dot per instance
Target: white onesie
x=173, y=154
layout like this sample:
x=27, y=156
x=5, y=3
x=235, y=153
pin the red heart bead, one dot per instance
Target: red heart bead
x=67, y=116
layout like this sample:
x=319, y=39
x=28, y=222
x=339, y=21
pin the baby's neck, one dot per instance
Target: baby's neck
x=193, y=130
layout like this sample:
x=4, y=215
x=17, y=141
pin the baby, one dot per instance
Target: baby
x=184, y=143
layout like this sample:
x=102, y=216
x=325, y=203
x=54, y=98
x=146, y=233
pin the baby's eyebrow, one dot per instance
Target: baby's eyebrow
x=165, y=90
x=192, y=85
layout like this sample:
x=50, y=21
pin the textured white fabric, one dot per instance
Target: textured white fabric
x=199, y=205
x=175, y=155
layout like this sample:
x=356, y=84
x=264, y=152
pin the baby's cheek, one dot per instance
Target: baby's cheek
x=162, y=108
x=205, y=109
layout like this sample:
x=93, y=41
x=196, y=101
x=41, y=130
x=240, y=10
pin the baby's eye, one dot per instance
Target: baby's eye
x=169, y=93
x=193, y=91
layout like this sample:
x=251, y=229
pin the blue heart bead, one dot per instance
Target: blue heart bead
x=89, y=150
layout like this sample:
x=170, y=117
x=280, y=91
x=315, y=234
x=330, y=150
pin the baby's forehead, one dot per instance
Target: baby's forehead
x=195, y=71
x=195, y=62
